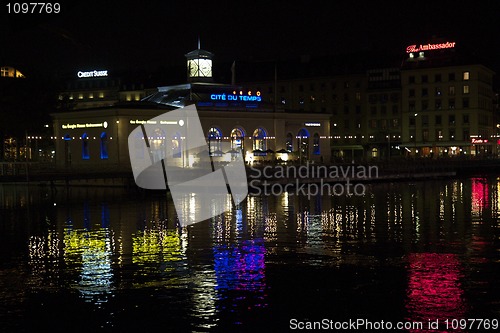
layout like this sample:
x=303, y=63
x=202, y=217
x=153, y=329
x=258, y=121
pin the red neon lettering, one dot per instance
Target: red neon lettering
x=427, y=47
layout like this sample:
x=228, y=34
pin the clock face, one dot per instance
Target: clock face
x=192, y=68
x=205, y=67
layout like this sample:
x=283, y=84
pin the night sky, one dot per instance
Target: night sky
x=144, y=35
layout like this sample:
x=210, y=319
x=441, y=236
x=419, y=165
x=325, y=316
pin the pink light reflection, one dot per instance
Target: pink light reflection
x=434, y=289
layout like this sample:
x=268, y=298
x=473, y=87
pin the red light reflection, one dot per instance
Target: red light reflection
x=434, y=290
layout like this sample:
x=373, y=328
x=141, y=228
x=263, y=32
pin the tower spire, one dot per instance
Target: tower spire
x=199, y=44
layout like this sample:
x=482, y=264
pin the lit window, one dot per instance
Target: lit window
x=85, y=147
x=466, y=89
x=91, y=95
x=80, y=96
x=466, y=76
x=104, y=146
x=358, y=96
x=101, y=95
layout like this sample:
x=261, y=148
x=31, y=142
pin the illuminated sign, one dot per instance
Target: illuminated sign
x=428, y=47
x=87, y=125
x=248, y=97
x=474, y=141
x=92, y=74
x=154, y=122
x=312, y=124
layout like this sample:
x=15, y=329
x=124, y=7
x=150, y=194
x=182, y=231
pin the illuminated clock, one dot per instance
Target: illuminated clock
x=193, y=67
x=205, y=67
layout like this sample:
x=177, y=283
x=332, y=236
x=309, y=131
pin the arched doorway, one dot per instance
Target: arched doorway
x=259, y=139
x=214, y=140
x=303, y=143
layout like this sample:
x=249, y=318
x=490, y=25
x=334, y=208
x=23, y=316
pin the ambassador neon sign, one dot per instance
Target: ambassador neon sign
x=429, y=47
x=235, y=96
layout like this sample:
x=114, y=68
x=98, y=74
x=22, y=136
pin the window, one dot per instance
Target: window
x=316, y=150
x=259, y=139
x=383, y=124
x=425, y=92
x=438, y=91
x=346, y=109
x=438, y=104
x=311, y=87
x=395, y=122
x=303, y=142
x=451, y=120
x=466, y=89
x=451, y=91
x=346, y=84
x=425, y=135
x=289, y=142
x=346, y=123
x=466, y=135
x=439, y=135
x=437, y=120
x=334, y=97
x=358, y=96
x=451, y=104
x=104, y=146
x=214, y=141
x=373, y=110
x=237, y=138
x=301, y=87
x=425, y=120
x=412, y=121
x=425, y=79
x=465, y=119
x=373, y=123
x=411, y=106
x=85, y=147
x=411, y=79
x=465, y=103
x=176, y=145
x=466, y=76
x=451, y=77
x=346, y=97
x=437, y=78
x=425, y=105
x=358, y=109
x=452, y=134
x=411, y=93
x=283, y=100
x=383, y=109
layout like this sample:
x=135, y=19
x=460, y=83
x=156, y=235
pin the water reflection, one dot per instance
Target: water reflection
x=434, y=289
x=227, y=272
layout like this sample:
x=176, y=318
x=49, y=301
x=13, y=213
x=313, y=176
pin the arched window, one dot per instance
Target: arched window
x=374, y=152
x=157, y=145
x=104, y=146
x=237, y=139
x=316, y=150
x=289, y=142
x=214, y=141
x=85, y=147
x=176, y=145
x=303, y=143
x=259, y=139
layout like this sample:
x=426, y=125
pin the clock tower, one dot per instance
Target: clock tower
x=199, y=65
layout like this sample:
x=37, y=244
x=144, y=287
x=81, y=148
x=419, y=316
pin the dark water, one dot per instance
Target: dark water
x=103, y=260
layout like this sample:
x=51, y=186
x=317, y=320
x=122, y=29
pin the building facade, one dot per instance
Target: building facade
x=232, y=117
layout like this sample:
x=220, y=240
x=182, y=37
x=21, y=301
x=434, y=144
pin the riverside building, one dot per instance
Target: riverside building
x=95, y=134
